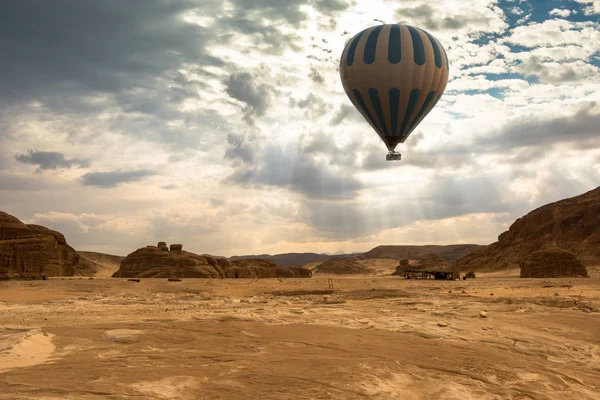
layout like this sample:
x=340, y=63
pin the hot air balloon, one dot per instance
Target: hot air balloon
x=394, y=75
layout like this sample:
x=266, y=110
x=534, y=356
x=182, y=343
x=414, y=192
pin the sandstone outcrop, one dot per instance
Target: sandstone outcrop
x=30, y=251
x=176, y=247
x=572, y=224
x=155, y=262
x=552, y=263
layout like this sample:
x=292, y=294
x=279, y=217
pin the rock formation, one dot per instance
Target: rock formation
x=552, y=263
x=30, y=251
x=342, y=266
x=155, y=262
x=572, y=224
x=162, y=246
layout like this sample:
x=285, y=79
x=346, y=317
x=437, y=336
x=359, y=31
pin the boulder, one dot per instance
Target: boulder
x=552, y=263
x=162, y=246
x=176, y=247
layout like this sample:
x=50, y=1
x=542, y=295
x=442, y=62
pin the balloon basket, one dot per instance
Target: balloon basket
x=393, y=156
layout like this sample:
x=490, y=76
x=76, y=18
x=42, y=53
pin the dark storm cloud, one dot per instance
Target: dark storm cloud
x=75, y=46
x=114, y=178
x=124, y=59
x=50, y=160
x=241, y=86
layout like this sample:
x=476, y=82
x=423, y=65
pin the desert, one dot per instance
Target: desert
x=371, y=337
x=166, y=323
x=300, y=200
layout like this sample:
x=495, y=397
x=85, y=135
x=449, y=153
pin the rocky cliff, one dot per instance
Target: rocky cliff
x=159, y=262
x=572, y=224
x=30, y=251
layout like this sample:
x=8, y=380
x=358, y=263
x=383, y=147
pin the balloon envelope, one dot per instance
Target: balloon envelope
x=394, y=75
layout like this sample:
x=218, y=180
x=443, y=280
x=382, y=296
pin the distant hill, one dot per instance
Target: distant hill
x=449, y=253
x=572, y=224
x=293, y=259
x=101, y=265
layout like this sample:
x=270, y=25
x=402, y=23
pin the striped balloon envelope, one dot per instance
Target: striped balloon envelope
x=394, y=75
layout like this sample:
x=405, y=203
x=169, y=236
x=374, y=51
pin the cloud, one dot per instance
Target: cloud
x=344, y=112
x=444, y=197
x=50, y=160
x=11, y=181
x=554, y=32
x=289, y=11
x=88, y=47
x=315, y=76
x=313, y=105
x=579, y=130
x=242, y=148
x=94, y=232
x=557, y=12
x=300, y=173
x=481, y=15
x=241, y=86
x=115, y=178
x=555, y=72
x=591, y=7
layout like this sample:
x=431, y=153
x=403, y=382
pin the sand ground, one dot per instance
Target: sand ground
x=370, y=337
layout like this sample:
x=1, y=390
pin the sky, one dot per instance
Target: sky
x=223, y=125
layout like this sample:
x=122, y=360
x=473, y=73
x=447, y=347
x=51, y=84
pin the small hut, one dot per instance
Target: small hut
x=552, y=263
x=431, y=267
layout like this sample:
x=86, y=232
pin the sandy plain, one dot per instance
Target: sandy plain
x=370, y=337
